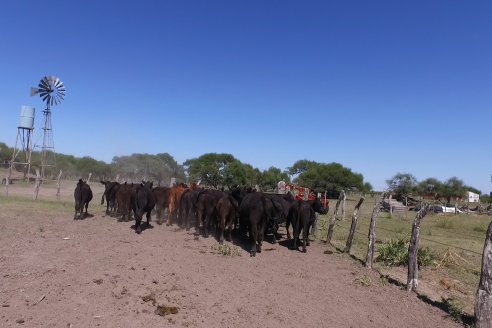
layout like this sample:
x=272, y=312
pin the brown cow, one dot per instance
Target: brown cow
x=175, y=194
x=226, y=211
x=161, y=201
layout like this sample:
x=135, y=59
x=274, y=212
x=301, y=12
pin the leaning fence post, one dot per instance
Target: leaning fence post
x=483, y=300
x=372, y=230
x=343, y=206
x=36, y=185
x=58, y=185
x=413, y=248
x=353, y=226
x=329, y=235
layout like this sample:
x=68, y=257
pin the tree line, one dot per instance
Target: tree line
x=213, y=169
x=224, y=170
x=405, y=185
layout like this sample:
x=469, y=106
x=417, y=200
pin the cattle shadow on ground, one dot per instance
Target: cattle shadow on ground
x=144, y=226
x=84, y=216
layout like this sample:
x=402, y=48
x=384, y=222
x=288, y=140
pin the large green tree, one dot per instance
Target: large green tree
x=212, y=169
x=159, y=168
x=271, y=177
x=327, y=176
x=402, y=185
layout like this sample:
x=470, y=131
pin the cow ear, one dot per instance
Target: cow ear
x=80, y=181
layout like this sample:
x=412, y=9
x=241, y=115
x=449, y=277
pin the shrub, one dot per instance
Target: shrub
x=445, y=224
x=425, y=256
x=226, y=250
x=394, y=252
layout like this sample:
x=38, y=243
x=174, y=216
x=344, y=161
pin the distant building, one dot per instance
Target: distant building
x=472, y=197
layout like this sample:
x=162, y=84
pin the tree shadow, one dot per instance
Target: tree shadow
x=468, y=320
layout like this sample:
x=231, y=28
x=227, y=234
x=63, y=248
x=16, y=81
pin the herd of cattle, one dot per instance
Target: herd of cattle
x=239, y=209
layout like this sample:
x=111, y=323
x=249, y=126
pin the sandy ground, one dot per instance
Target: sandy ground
x=57, y=272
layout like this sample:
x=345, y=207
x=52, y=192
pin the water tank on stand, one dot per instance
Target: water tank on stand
x=27, y=117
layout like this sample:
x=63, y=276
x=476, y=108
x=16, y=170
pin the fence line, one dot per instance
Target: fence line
x=426, y=239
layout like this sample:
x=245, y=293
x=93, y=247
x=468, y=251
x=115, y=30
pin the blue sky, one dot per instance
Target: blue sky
x=378, y=86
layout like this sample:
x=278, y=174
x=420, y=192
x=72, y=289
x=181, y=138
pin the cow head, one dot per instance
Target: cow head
x=318, y=207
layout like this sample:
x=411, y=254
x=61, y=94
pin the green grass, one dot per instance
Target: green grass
x=441, y=234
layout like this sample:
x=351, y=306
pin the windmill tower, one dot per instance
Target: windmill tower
x=52, y=91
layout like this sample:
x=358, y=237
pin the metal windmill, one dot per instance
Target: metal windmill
x=52, y=91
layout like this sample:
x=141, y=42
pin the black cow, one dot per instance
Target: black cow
x=110, y=189
x=82, y=195
x=142, y=201
x=124, y=201
x=186, y=210
x=259, y=211
x=205, y=203
x=278, y=212
x=305, y=219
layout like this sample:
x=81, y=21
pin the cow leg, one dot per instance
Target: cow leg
x=222, y=223
x=138, y=220
x=205, y=225
x=254, y=237
x=230, y=222
x=296, y=232
x=261, y=235
x=86, y=212
x=287, y=226
x=158, y=211
x=305, y=233
x=75, y=216
x=170, y=214
x=148, y=218
x=274, y=230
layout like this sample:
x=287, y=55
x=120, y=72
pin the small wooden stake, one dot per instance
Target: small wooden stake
x=413, y=248
x=329, y=235
x=58, y=185
x=372, y=230
x=353, y=226
x=36, y=185
x=483, y=300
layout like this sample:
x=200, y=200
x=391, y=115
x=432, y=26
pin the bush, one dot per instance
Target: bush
x=425, y=257
x=226, y=250
x=394, y=252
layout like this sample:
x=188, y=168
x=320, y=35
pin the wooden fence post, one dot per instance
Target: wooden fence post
x=355, y=218
x=36, y=185
x=7, y=181
x=343, y=206
x=483, y=300
x=413, y=249
x=117, y=179
x=58, y=185
x=89, y=178
x=329, y=235
x=372, y=230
